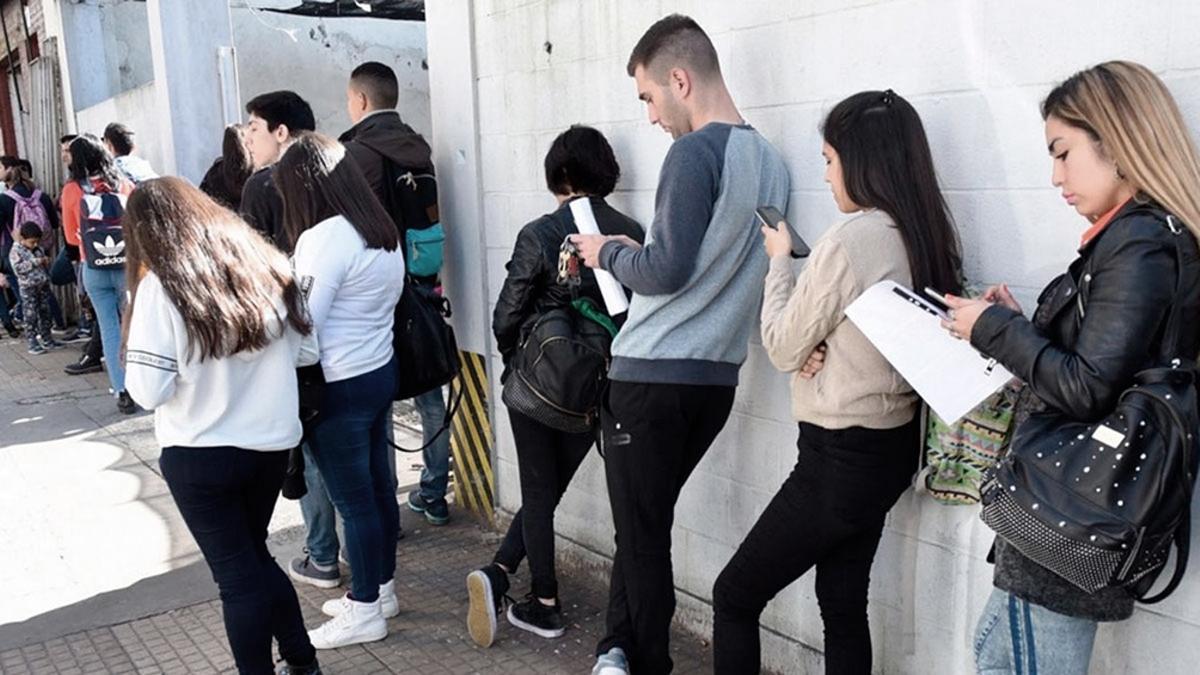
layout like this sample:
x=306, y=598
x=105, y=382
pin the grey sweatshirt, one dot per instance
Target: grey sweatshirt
x=698, y=281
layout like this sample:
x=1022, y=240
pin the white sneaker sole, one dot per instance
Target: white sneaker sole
x=375, y=635
x=481, y=615
x=547, y=633
x=319, y=583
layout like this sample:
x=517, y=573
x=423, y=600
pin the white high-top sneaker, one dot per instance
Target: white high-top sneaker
x=360, y=622
x=389, y=605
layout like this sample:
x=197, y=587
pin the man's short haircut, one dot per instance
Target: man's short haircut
x=120, y=137
x=672, y=41
x=68, y=138
x=379, y=84
x=283, y=107
x=31, y=230
x=581, y=160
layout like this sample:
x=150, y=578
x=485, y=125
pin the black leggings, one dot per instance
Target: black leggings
x=226, y=496
x=828, y=514
x=546, y=460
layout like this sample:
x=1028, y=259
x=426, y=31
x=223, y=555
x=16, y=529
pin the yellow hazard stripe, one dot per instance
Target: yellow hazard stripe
x=471, y=440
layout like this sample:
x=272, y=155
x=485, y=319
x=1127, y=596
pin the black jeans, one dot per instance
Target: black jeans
x=654, y=435
x=829, y=514
x=547, y=460
x=226, y=496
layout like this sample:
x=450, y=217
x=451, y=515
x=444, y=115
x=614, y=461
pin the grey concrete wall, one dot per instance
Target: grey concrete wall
x=314, y=57
x=976, y=72
x=108, y=48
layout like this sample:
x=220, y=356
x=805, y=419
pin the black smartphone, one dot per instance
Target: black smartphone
x=770, y=216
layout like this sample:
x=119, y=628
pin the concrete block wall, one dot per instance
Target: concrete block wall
x=976, y=71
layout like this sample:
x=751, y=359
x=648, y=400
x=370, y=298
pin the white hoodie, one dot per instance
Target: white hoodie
x=248, y=400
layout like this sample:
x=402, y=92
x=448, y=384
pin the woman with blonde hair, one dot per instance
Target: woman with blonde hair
x=1123, y=159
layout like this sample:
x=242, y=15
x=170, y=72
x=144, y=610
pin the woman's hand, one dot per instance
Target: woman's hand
x=963, y=315
x=1002, y=296
x=814, y=363
x=776, y=240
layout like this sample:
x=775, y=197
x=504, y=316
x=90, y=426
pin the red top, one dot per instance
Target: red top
x=72, y=195
x=1101, y=223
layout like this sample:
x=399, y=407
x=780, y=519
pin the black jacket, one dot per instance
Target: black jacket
x=384, y=137
x=1095, y=327
x=1103, y=321
x=262, y=207
x=531, y=287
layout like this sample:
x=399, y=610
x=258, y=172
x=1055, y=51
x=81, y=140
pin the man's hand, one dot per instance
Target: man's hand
x=589, y=246
x=3, y=281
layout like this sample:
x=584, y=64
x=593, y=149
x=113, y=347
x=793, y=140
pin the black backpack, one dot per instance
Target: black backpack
x=411, y=200
x=560, y=371
x=1102, y=504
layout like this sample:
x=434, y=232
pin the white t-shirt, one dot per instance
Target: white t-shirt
x=248, y=400
x=352, y=293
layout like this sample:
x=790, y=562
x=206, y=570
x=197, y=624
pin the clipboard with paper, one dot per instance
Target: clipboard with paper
x=949, y=374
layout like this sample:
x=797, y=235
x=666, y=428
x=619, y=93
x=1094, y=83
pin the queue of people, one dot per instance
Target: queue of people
x=297, y=247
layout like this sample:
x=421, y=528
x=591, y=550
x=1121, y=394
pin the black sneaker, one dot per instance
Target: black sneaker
x=85, y=364
x=539, y=619
x=486, y=588
x=13, y=331
x=287, y=669
x=125, y=404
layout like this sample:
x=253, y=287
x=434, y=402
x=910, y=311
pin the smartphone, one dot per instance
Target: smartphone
x=937, y=298
x=770, y=216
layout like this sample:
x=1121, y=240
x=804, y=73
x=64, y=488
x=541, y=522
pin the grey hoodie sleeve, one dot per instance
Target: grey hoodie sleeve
x=687, y=192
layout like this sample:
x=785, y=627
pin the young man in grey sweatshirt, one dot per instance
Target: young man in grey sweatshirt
x=697, y=286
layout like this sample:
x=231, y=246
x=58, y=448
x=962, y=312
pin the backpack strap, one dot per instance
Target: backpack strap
x=1182, y=543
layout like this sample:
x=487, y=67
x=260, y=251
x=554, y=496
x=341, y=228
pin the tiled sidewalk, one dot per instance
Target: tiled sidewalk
x=429, y=636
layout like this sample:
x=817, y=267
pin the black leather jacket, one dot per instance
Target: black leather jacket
x=1104, y=320
x=531, y=287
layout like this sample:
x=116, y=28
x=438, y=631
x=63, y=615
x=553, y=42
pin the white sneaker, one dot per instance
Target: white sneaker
x=389, y=605
x=360, y=622
x=612, y=662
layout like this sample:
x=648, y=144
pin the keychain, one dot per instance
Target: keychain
x=568, y=263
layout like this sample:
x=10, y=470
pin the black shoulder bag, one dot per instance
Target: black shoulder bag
x=1102, y=504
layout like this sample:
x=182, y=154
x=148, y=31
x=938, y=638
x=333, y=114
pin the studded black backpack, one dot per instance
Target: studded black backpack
x=1102, y=504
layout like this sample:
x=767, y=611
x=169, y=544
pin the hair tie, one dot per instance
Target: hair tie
x=888, y=97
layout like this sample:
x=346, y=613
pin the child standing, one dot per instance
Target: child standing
x=30, y=263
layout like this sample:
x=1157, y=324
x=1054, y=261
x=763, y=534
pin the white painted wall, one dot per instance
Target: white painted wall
x=314, y=57
x=136, y=108
x=976, y=72
x=108, y=48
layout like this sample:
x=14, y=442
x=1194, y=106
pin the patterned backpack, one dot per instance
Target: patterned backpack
x=957, y=455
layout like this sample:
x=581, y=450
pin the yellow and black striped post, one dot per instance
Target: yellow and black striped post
x=471, y=441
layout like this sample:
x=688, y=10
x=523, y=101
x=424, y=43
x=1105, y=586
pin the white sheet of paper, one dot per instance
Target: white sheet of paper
x=949, y=374
x=611, y=290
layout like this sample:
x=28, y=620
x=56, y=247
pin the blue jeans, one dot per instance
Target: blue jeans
x=435, y=475
x=320, y=518
x=349, y=443
x=226, y=496
x=1017, y=637
x=106, y=288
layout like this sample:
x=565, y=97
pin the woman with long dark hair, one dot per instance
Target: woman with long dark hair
x=859, y=424
x=227, y=176
x=1124, y=159
x=217, y=319
x=93, y=172
x=348, y=260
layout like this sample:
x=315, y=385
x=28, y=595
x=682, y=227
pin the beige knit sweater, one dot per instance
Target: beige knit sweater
x=857, y=386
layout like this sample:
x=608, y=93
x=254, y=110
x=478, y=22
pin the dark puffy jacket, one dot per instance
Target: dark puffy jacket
x=1095, y=327
x=383, y=137
x=531, y=287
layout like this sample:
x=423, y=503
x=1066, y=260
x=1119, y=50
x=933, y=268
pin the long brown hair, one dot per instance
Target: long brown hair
x=1125, y=108
x=236, y=166
x=318, y=181
x=223, y=277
